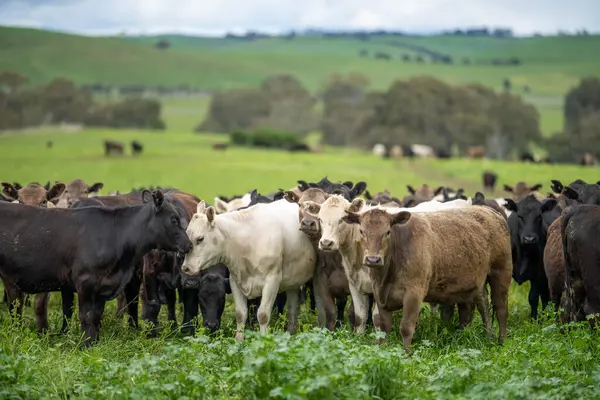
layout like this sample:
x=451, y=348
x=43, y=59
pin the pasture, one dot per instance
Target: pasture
x=536, y=361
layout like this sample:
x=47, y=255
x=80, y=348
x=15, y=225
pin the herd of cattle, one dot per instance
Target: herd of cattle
x=334, y=239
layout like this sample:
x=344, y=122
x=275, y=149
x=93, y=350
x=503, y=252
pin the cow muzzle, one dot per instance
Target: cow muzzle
x=373, y=261
x=326, y=245
x=529, y=239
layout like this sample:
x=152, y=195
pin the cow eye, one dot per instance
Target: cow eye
x=361, y=232
x=44, y=202
x=388, y=233
x=175, y=221
x=199, y=240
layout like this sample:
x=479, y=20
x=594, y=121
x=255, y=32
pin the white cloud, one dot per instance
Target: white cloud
x=220, y=16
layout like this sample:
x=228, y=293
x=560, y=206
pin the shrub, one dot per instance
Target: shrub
x=266, y=138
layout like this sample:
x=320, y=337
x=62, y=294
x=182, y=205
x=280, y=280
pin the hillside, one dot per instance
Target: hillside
x=550, y=65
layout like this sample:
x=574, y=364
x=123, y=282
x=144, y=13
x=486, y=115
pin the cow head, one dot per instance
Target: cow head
x=376, y=233
x=235, y=203
x=207, y=241
x=32, y=194
x=166, y=228
x=76, y=190
x=212, y=290
x=522, y=190
x=307, y=214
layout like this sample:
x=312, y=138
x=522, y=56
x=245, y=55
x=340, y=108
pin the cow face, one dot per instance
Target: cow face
x=529, y=215
x=376, y=233
x=77, y=189
x=166, y=227
x=212, y=291
x=223, y=206
x=334, y=231
x=32, y=194
x=522, y=190
x=207, y=241
x=307, y=213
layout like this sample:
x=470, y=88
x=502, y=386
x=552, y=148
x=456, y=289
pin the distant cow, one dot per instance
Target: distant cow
x=476, y=151
x=489, y=180
x=379, y=150
x=527, y=157
x=220, y=146
x=396, y=151
x=421, y=194
x=522, y=190
x=421, y=150
x=136, y=148
x=76, y=190
x=98, y=264
x=397, y=248
x=588, y=159
x=382, y=198
x=347, y=189
x=113, y=147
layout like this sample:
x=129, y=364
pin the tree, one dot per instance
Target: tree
x=12, y=80
x=580, y=101
x=162, y=44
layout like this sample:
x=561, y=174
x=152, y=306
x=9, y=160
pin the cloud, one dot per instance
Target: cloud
x=221, y=16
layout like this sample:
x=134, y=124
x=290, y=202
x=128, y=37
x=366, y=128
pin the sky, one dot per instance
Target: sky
x=217, y=17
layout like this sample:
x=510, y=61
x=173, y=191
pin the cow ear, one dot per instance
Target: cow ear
x=401, y=218
x=302, y=185
x=557, y=186
x=227, y=286
x=356, y=205
x=479, y=198
x=146, y=196
x=55, y=192
x=17, y=185
x=159, y=199
x=220, y=205
x=510, y=205
x=351, y=218
x=536, y=187
x=508, y=188
x=210, y=215
x=9, y=191
x=445, y=193
x=549, y=204
x=438, y=190
x=368, y=195
x=47, y=186
x=279, y=195
x=201, y=207
x=570, y=193
x=291, y=196
x=95, y=187
x=411, y=189
x=348, y=184
x=359, y=188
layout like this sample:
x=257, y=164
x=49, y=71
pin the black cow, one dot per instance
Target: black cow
x=346, y=189
x=97, y=262
x=528, y=226
x=136, y=147
x=489, y=180
x=580, y=229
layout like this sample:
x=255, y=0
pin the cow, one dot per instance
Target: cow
x=112, y=146
x=220, y=146
x=336, y=235
x=32, y=195
x=223, y=205
x=332, y=283
x=423, y=151
x=136, y=148
x=579, y=231
x=348, y=189
x=384, y=197
x=421, y=194
x=396, y=151
x=528, y=224
x=588, y=159
x=480, y=200
x=97, y=262
x=522, y=190
x=264, y=251
x=76, y=190
x=489, y=181
x=413, y=257
x=379, y=150
x=475, y=151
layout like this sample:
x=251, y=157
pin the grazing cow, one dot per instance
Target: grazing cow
x=528, y=226
x=97, y=262
x=136, y=148
x=32, y=195
x=379, y=150
x=413, y=258
x=331, y=282
x=233, y=203
x=112, y=146
x=476, y=151
x=76, y=190
x=527, y=157
x=265, y=253
x=588, y=159
x=220, y=146
x=489, y=180
x=579, y=231
x=521, y=190
x=336, y=235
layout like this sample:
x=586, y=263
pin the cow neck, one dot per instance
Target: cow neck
x=233, y=237
x=132, y=223
x=351, y=248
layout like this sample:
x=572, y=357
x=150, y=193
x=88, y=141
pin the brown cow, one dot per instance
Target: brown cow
x=112, y=146
x=420, y=257
x=588, y=159
x=33, y=195
x=384, y=198
x=420, y=195
x=331, y=281
x=522, y=190
x=554, y=263
x=476, y=151
x=489, y=180
x=75, y=190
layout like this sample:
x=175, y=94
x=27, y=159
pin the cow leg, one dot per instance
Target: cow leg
x=190, y=311
x=41, y=311
x=132, y=291
x=15, y=299
x=360, y=301
x=150, y=301
x=499, y=287
x=311, y=295
x=446, y=311
x=5, y=298
x=269, y=293
x=534, y=296
x=319, y=284
x=340, y=303
x=241, y=309
x=371, y=310
x=252, y=310
x=466, y=311
x=384, y=321
x=411, y=305
x=330, y=312
x=171, y=300
x=121, y=305
x=68, y=299
x=544, y=293
x=435, y=308
x=88, y=315
x=351, y=315
x=293, y=303
x=280, y=301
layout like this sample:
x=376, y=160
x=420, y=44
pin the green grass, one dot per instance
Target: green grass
x=552, y=65
x=536, y=361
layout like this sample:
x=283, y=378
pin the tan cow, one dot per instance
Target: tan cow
x=443, y=256
x=554, y=263
x=76, y=190
x=522, y=190
x=331, y=281
x=32, y=195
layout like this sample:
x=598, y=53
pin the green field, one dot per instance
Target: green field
x=551, y=65
x=537, y=360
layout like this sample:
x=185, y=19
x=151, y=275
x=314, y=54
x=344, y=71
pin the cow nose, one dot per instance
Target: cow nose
x=212, y=325
x=529, y=239
x=185, y=269
x=373, y=260
x=308, y=224
x=325, y=244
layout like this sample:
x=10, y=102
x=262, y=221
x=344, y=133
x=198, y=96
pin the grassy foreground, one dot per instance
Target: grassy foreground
x=536, y=361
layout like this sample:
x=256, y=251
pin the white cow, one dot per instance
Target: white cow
x=337, y=235
x=265, y=251
x=222, y=206
x=379, y=150
x=422, y=150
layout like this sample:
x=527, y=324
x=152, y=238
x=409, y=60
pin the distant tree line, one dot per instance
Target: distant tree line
x=61, y=101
